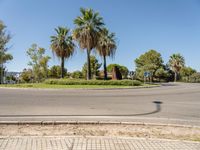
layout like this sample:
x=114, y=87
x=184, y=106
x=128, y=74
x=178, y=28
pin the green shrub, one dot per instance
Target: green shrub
x=195, y=78
x=93, y=82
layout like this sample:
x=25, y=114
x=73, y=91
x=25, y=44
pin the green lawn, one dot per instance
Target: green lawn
x=53, y=86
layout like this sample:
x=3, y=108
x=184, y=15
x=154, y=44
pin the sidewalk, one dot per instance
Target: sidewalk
x=92, y=143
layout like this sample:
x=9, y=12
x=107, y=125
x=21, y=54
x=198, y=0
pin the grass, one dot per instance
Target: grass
x=80, y=84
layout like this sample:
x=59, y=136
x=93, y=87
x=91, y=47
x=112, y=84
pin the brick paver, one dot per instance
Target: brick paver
x=92, y=143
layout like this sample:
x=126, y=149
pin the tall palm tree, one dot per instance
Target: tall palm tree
x=106, y=46
x=86, y=32
x=62, y=45
x=176, y=62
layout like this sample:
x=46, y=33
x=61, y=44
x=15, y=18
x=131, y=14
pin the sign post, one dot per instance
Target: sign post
x=147, y=74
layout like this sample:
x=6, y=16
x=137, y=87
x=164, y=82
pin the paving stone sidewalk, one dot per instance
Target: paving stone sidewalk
x=92, y=143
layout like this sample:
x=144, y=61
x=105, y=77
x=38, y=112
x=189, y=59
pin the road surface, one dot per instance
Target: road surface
x=170, y=103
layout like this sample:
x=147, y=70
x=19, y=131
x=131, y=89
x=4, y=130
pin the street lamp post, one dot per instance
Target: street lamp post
x=1, y=65
x=2, y=74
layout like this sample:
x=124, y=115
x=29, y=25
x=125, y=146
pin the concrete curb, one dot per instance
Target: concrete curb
x=92, y=123
x=125, y=88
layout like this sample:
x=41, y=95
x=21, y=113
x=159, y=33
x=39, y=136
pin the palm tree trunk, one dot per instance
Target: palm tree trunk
x=175, y=76
x=88, y=65
x=105, y=68
x=62, y=67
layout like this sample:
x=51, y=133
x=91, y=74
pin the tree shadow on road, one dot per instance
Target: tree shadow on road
x=156, y=103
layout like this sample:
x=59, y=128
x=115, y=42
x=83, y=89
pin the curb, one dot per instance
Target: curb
x=92, y=123
x=125, y=88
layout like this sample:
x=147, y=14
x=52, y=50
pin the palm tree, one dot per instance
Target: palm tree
x=176, y=62
x=86, y=33
x=106, y=46
x=62, y=45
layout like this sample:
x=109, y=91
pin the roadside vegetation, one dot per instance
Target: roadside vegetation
x=72, y=86
x=91, y=35
x=94, y=82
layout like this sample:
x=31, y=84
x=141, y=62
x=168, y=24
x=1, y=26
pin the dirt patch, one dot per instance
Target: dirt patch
x=147, y=131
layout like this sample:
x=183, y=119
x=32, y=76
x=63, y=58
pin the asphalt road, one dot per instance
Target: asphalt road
x=171, y=103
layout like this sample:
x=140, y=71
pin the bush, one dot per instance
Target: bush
x=93, y=82
x=77, y=74
x=195, y=78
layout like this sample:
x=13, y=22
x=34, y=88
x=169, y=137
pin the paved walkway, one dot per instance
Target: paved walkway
x=92, y=143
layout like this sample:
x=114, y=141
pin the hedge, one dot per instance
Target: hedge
x=93, y=82
x=194, y=78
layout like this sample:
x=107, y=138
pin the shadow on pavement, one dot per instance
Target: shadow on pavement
x=169, y=84
x=156, y=103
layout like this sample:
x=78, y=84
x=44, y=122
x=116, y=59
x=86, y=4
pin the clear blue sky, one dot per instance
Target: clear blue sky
x=168, y=26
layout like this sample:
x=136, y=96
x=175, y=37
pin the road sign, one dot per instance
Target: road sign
x=147, y=74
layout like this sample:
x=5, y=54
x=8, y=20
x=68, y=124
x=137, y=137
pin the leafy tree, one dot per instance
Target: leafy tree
x=150, y=61
x=123, y=70
x=11, y=78
x=4, y=56
x=63, y=46
x=95, y=66
x=55, y=72
x=38, y=61
x=44, y=65
x=162, y=74
x=86, y=33
x=26, y=75
x=176, y=62
x=77, y=74
x=106, y=46
x=186, y=72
